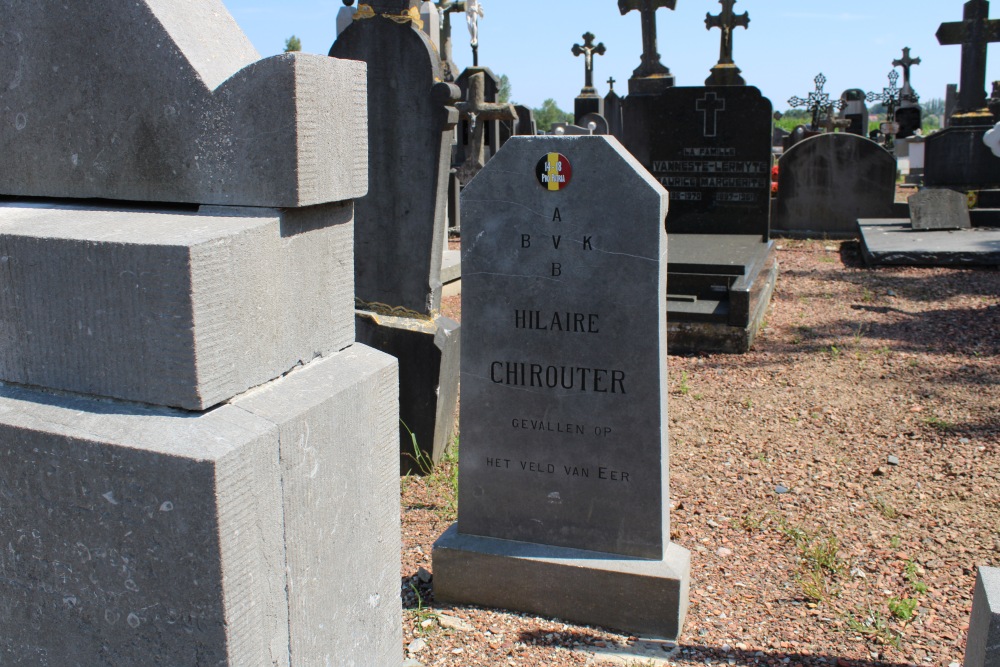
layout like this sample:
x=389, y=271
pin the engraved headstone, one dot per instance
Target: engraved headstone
x=564, y=442
x=711, y=149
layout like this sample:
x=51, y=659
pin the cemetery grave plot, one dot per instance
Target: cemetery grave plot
x=854, y=366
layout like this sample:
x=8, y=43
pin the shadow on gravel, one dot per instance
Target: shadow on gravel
x=657, y=653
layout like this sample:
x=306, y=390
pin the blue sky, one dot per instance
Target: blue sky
x=853, y=42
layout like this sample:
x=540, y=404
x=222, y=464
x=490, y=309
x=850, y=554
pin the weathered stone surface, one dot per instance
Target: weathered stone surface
x=828, y=181
x=171, y=308
x=957, y=157
x=939, y=209
x=895, y=242
x=429, y=353
x=401, y=222
x=983, y=644
x=337, y=421
x=139, y=535
x=152, y=536
x=563, y=386
x=167, y=101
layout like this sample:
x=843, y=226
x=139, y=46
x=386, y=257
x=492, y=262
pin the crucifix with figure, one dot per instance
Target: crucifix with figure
x=726, y=73
x=589, y=50
x=477, y=112
x=650, y=66
x=974, y=33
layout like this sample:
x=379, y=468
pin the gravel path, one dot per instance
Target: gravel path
x=837, y=487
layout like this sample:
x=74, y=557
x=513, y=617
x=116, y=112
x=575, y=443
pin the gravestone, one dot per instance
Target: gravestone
x=401, y=231
x=982, y=647
x=651, y=76
x=491, y=128
x=855, y=110
x=725, y=72
x=564, y=442
x=711, y=150
x=260, y=524
x=588, y=101
x=950, y=102
x=595, y=123
x=827, y=182
x=939, y=209
x=909, y=116
x=526, y=126
x=431, y=19
x=345, y=16
x=613, y=111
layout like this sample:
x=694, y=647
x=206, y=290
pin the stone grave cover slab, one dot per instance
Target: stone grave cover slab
x=167, y=101
x=829, y=181
x=710, y=147
x=564, y=442
x=983, y=645
x=939, y=209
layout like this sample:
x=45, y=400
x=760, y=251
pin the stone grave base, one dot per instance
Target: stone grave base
x=894, y=242
x=645, y=597
x=719, y=288
x=983, y=646
x=428, y=353
x=242, y=535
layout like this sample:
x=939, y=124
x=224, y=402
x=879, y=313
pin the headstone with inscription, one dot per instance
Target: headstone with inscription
x=563, y=492
x=401, y=231
x=711, y=149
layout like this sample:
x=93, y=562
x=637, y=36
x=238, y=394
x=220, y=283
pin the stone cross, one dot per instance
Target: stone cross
x=817, y=102
x=974, y=33
x=906, y=62
x=650, y=65
x=446, y=8
x=475, y=109
x=611, y=84
x=589, y=50
x=727, y=21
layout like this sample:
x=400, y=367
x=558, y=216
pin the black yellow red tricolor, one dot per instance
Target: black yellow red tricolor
x=554, y=171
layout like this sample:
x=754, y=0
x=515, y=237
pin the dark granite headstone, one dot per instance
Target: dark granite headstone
x=827, y=182
x=950, y=104
x=710, y=147
x=855, y=110
x=400, y=224
x=958, y=158
x=526, y=126
x=939, y=209
x=614, y=107
x=599, y=123
x=564, y=411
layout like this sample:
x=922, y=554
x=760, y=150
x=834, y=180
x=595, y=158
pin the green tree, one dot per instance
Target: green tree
x=503, y=94
x=550, y=113
x=293, y=43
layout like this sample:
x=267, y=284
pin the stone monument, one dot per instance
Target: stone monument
x=564, y=464
x=588, y=101
x=983, y=644
x=908, y=116
x=855, y=111
x=207, y=458
x=399, y=239
x=345, y=16
x=725, y=72
x=651, y=76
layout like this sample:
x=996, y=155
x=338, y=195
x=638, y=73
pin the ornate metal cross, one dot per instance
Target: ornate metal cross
x=818, y=101
x=889, y=97
x=475, y=109
x=974, y=33
x=589, y=51
x=650, y=65
x=727, y=21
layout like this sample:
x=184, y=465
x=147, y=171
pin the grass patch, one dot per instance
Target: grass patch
x=874, y=626
x=936, y=422
x=884, y=508
x=903, y=608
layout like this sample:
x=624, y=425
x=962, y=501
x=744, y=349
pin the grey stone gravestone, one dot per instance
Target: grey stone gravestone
x=491, y=129
x=247, y=534
x=983, y=644
x=827, y=182
x=563, y=493
x=526, y=125
x=855, y=110
x=939, y=209
x=401, y=230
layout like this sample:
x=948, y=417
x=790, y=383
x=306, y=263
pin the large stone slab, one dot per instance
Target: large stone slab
x=710, y=147
x=401, y=222
x=172, y=308
x=957, y=157
x=564, y=443
x=983, y=644
x=141, y=535
x=337, y=422
x=895, y=242
x=167, y=101
x=827, y=182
